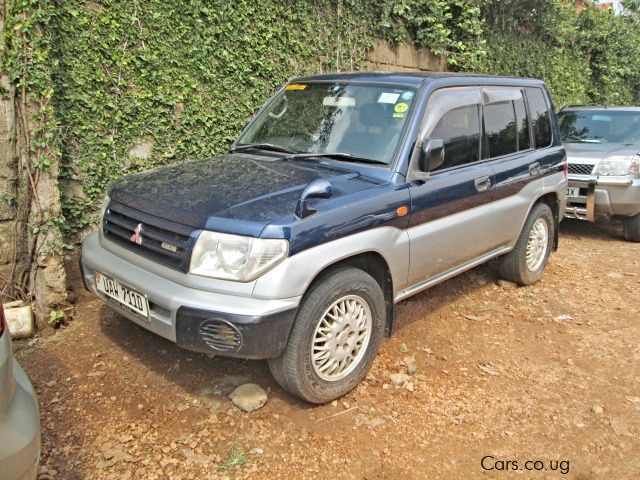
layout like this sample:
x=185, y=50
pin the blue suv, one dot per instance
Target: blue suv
x=346, y=194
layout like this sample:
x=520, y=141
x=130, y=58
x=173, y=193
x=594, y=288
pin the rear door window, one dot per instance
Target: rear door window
x=505, y=121
x=500, y=128
x=540, y=118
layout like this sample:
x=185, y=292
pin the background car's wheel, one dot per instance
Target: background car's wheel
x=632, y=228
x=525, y=263
x=335, y=337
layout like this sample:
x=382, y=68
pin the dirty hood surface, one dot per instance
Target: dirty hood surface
x=592, y=153
x=233, y=186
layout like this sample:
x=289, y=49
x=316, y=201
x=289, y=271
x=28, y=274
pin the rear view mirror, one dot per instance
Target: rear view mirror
x=431, y=155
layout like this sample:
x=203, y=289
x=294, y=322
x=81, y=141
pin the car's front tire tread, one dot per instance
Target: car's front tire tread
x=293, y=369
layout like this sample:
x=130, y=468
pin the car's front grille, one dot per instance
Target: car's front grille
x=163, y=241
x=580, y=168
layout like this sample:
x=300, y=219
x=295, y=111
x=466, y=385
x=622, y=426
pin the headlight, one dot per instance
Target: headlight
x=619, y=165
x=232, y=257
x=103, y=207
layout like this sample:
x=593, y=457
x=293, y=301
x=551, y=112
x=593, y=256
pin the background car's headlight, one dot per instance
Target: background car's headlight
x=103, y=207
x=619, y=165
x=232, y=257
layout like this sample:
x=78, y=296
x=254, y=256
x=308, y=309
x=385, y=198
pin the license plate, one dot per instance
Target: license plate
x=573, y=191
x=130, y=299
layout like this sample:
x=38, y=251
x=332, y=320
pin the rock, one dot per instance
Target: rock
x=249, y=397
x=488, y=369
x=563, y=318
x=619, y=426
x=258, y=451
x=476, y=318
x=20, y=321
x=398, y=379
x=597, y=409
x=506, y=284
x=141, y=149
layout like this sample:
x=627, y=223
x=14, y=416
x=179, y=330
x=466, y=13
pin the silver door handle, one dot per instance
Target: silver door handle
x=534, y=169
x=482, y=184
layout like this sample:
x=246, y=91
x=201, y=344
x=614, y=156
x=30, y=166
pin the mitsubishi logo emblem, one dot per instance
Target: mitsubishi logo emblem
x=137, y=235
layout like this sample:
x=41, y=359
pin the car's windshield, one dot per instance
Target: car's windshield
x=363, y=121
x=600, y=126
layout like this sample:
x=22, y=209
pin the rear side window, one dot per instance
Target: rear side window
x=455, y=116
x=505, y=121
x=540, y=119
x=500, y=127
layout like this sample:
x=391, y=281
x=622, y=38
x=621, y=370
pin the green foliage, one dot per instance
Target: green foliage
x=237, y=458
x=56, y=317
x=587, y=57
x=612, y=45
x=450, y=28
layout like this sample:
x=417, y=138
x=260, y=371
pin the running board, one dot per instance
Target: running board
x=419, y=287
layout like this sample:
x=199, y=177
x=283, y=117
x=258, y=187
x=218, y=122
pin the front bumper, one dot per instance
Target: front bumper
x=206, y=321
x=603, y=197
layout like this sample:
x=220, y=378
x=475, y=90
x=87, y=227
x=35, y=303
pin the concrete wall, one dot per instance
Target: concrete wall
x=8, y=175
x=403, y=58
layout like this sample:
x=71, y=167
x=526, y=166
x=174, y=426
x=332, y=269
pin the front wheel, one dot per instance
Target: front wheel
x=632, y=228
x=526, y=262
x=335, y=337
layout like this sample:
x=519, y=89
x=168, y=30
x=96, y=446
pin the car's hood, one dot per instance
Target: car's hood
x=234, y=186
x=592, y=153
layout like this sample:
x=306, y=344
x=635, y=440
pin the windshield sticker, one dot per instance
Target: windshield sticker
x=401, y=108
x=602, y=118
x=398, y=115
x=388, y=97
x=339, y=102
x=295, y=86
x=408, y=95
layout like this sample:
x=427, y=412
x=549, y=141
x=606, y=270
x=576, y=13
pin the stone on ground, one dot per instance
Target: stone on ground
x=249, y=397
x=20, y=321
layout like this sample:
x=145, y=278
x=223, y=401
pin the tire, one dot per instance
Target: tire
x=515, y=266
x=297, y=372
x=632, y=228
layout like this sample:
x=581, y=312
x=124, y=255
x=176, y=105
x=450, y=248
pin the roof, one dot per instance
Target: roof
x=630, y=108
x=419, y=78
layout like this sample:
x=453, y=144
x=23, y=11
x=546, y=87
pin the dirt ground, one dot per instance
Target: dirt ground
x=546, y=374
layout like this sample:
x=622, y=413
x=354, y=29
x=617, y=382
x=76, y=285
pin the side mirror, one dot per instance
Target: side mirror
x=431, y=155
x=319, y=188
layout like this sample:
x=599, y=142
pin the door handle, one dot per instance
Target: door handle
x=534, y=169
x=482, y=184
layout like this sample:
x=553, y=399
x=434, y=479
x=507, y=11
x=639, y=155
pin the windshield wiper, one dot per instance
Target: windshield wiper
x=261, y=146
x=338, y=156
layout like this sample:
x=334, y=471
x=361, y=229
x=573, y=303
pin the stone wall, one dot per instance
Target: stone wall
x=8, y=191
x=403, y=58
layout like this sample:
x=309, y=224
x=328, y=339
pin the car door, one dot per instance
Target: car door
x=451, y=215
x=517, y=166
